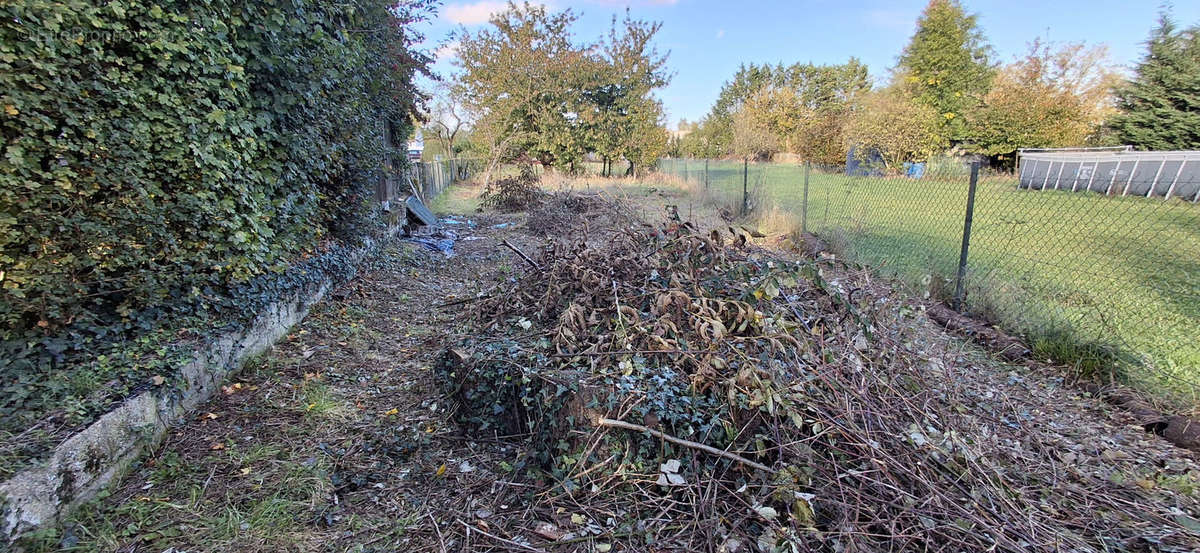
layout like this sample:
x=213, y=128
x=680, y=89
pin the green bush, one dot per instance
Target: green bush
x=164, y=160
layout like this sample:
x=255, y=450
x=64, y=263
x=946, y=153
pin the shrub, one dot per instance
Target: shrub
x=515, y=193
x=159, y=157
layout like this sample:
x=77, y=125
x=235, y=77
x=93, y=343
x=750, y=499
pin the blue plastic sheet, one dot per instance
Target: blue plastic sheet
x=440, y=241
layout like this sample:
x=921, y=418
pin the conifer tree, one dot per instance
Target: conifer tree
x=1159, y=109
x=946, y=64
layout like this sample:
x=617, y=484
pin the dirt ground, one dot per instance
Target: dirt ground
x=340, y=440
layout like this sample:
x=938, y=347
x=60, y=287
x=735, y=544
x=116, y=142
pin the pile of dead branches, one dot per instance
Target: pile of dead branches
x=515, y=193
x=565, y=213
x=685, y=388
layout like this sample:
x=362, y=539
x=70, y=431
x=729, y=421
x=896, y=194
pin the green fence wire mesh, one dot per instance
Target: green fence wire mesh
x=1104, y=281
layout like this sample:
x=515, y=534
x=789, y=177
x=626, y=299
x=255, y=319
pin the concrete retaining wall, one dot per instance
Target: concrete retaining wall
x=100, y=454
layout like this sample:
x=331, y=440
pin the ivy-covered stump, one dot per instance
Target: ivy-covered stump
x=679, y=382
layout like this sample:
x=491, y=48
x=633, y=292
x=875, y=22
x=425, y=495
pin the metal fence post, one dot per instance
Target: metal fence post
x=745, y=188
x=804, y=203
x=706, y=173
x=959, y=285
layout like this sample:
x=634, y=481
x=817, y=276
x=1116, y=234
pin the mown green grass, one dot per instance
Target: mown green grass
x=1079, y=274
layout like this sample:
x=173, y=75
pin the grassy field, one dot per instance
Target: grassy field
x=1068, y=270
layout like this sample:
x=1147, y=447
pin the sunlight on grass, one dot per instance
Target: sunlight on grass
x=1114, y=271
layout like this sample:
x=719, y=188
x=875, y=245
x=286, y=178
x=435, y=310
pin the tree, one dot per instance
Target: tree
x=896, y=125
x=702, y=142
x=647, y=140
x=627, y=117
x=820, y=94
x=945, y=66
x=1159, y=109
x=447, y=120
x=752, y=136
x=523, y=78
x=1053, y=97
x=540, y=96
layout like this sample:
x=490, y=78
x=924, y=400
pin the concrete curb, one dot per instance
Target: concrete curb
x=100, y=454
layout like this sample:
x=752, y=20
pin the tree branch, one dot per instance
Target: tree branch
x=613, y=423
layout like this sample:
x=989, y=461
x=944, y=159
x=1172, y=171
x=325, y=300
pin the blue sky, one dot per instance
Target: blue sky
x=707, y=40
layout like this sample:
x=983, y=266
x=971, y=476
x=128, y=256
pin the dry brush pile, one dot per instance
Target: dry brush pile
x=683, y=389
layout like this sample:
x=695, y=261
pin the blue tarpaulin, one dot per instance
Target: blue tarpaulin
x=440, y=241
x=864, y=163
x=914, y=170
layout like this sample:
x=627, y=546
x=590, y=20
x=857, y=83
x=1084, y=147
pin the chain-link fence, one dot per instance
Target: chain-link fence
x=1099, y=280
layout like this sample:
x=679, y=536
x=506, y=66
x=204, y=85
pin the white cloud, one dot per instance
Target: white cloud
x=446, y=51
x=720, y=33
x=472, y=14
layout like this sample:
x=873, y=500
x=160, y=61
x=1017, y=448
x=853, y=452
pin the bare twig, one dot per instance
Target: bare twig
x=462, y=301
x=612, y=423
x=518, y=545
x=441, y=540
x=520, y=253
x=621, y=352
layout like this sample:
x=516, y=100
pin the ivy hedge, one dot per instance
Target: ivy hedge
x=170, y=162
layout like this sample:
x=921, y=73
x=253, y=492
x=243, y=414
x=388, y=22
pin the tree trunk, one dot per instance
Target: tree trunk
x=495, y=158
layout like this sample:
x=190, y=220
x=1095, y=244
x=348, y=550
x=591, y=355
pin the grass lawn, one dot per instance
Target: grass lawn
x=1064, y=268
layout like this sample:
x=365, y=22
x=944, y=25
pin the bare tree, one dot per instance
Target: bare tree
x=448, y=120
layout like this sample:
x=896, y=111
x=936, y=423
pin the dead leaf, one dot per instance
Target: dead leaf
x=731, y=545
x=547, y=530
x=216, y=446
x=158, y=380
x=768, y=513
